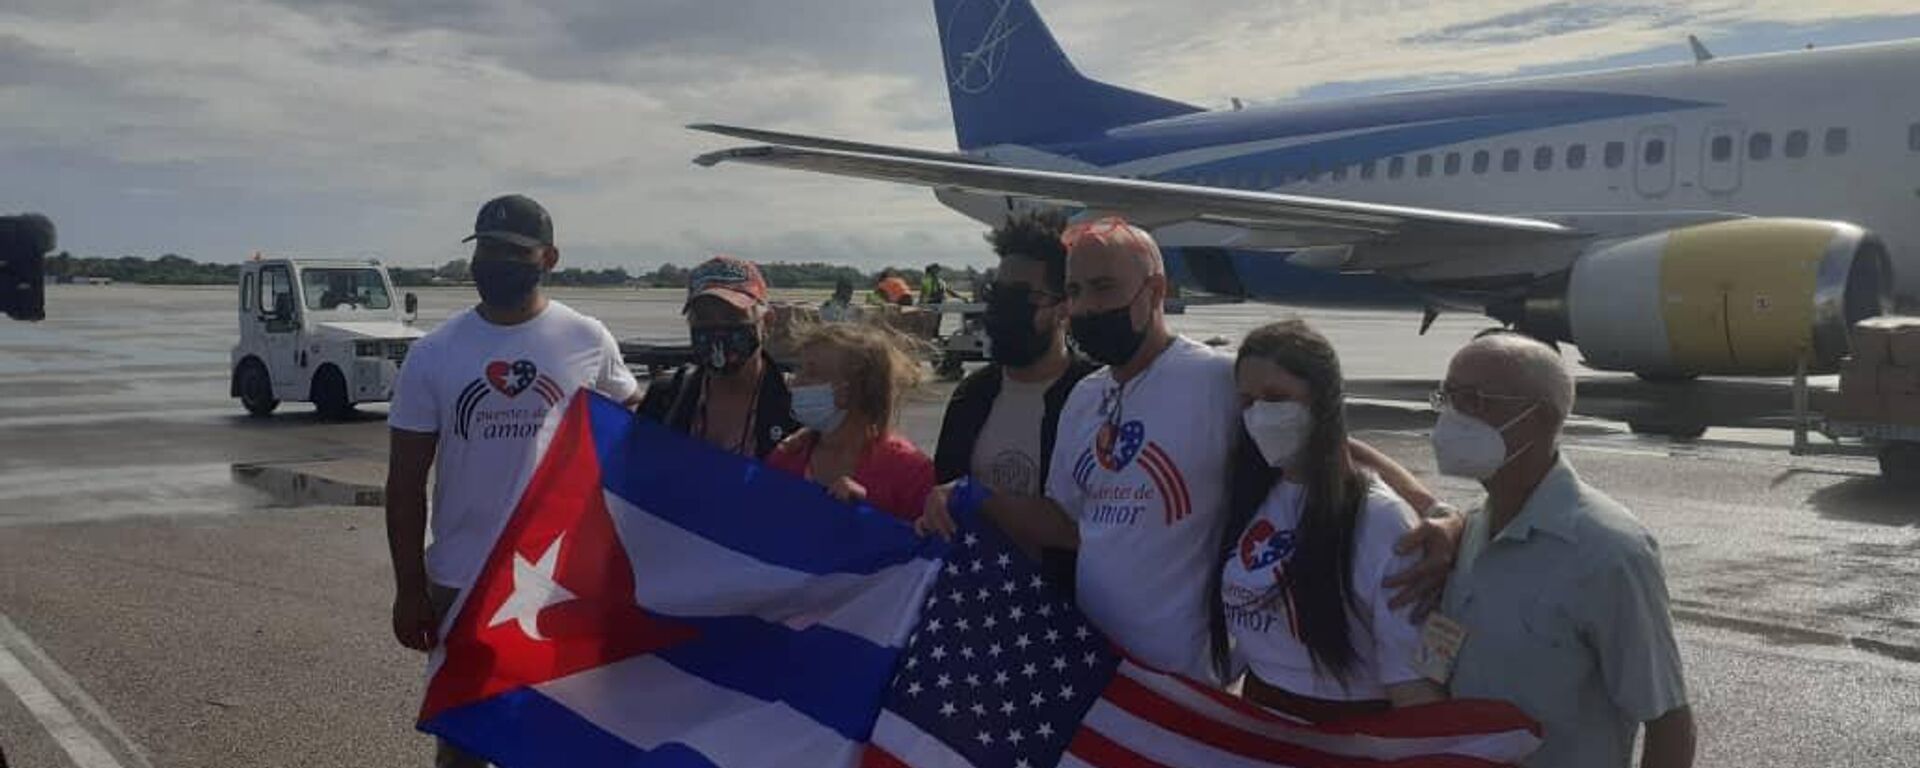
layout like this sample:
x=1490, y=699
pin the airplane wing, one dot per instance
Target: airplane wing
x=838, y=145
x=1289, y=220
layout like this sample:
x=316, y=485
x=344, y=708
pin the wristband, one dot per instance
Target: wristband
x=967, y=495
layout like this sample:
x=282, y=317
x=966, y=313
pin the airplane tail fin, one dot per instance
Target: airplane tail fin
x=1010, y=83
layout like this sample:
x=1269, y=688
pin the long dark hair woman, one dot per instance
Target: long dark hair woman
x=1308, y=540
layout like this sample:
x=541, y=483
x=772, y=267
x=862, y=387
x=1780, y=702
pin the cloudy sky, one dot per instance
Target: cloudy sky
x=214, y=128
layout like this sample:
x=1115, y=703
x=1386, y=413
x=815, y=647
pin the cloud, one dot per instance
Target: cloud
x=1280, y=49
x=215, y=127
x=1550, y=20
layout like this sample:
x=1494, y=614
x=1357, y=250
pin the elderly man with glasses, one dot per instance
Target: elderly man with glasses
x=1557, y=602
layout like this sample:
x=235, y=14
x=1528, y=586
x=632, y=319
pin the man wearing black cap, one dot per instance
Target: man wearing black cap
x=474, y=401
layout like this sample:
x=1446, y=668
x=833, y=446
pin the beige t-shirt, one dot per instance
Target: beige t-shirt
x=1006, y=454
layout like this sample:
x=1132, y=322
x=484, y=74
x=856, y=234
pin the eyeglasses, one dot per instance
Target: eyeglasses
x=1471, y=399
x=1018, y=292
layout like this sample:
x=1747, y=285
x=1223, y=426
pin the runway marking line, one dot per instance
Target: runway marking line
x=67, y=731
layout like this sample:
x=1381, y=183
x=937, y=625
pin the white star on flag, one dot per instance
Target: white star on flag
x=534, y=590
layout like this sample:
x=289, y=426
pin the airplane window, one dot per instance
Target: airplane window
x=1340, y=173
x=1266, y=179
x=1367, y=170
x=1656, y=152
x=1913, y=137
x=1425, y=166
x=1452, y=164
x=1482, y=159
x=1577, y=157
x=1836, y=142
x=1796, y=145
x=1760, y=146
x=1543, y=159
x=1510, y=160
x=1722, y=149
x=1396, y=167
x=1616, y=153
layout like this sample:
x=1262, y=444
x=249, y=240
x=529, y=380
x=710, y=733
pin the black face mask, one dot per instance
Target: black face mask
x=505, y=283
x=1109, y=337
x=725, y=349
x=1013, y=342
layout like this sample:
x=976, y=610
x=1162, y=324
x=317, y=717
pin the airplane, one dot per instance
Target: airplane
x=1728, y=216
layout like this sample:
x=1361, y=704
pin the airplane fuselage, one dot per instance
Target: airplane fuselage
x=1828, y=134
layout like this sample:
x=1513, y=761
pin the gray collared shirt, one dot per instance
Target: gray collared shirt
x=1566, y=616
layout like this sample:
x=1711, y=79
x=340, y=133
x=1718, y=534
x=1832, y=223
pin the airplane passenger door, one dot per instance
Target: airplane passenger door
x=1720, y=157
x=1653, y=161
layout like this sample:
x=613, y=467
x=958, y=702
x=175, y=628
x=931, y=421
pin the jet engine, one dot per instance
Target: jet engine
x=1749, y=297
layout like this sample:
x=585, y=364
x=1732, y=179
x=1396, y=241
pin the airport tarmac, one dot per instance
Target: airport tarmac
x=181, y=585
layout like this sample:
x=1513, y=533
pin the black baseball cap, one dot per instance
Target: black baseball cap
x=513, y=219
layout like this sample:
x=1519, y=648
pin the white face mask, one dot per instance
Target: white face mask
x=813, y=406
x=1467, y=447
x=1279, y=429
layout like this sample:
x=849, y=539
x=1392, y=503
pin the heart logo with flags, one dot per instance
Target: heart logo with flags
x=1116, y=447
x=511, y=378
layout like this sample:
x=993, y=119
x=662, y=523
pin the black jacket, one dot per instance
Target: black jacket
x=676, y=403
x=967, y=414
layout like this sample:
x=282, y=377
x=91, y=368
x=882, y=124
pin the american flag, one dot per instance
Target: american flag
x=1004, y=672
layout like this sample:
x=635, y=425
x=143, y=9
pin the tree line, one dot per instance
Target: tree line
x=174, y=269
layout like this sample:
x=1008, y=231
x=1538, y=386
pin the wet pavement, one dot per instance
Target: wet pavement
x=218, y=584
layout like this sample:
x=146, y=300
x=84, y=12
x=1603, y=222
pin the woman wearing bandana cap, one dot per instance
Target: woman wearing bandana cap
x=732, y=395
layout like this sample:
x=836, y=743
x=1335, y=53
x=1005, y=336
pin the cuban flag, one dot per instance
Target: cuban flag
x=655, y=601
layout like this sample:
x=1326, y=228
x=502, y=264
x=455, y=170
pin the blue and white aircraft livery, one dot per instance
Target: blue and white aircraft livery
x=1726, y=216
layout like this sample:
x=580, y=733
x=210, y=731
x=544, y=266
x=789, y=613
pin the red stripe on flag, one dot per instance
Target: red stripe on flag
x=1144, y=703
x=875, y=757
x=1106, y=753
x=1457, y=717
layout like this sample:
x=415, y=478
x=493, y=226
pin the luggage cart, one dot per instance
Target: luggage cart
x=1897, y=446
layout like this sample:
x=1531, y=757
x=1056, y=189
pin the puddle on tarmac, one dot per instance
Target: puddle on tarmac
x=294, y=485
x=46, y=495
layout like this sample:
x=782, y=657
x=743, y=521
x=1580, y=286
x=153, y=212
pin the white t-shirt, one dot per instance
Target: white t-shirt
x=1385, y=641
x=1143, y=471
x=488, y=391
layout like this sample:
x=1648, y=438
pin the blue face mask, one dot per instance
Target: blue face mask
x=813, y=406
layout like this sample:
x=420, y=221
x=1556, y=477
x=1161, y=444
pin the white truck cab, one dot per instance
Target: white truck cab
x=325, y=331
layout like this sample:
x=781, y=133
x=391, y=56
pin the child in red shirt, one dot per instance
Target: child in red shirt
x=847, y=392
